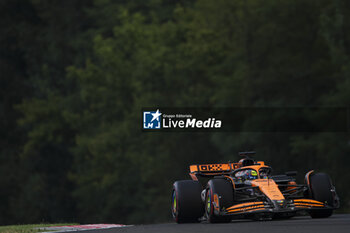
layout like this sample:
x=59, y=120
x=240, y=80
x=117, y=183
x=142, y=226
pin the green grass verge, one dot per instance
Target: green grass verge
x=29, y=228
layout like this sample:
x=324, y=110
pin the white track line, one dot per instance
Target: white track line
x=59, y=229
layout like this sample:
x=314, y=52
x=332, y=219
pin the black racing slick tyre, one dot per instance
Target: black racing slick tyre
x=186, y=204
x=320, y=186
x=224, y=189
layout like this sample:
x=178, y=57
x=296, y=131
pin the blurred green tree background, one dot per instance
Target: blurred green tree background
x=75, y=75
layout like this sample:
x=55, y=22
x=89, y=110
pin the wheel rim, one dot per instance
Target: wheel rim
x=208, y=204
x=174, y=205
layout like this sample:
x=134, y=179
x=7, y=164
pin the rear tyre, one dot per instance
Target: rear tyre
x=320, y=186
x=224, y=189
x=186, y=204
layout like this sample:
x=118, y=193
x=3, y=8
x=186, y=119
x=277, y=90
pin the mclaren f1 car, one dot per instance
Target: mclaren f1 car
x=247, y=189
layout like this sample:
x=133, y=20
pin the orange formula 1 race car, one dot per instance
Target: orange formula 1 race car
x=247, y=189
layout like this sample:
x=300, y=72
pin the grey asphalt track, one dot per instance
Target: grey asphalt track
x=334, y=224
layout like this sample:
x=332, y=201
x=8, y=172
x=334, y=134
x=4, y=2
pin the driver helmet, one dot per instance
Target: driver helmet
x=250, y=175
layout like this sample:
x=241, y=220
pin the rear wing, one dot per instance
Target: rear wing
x=211, y=170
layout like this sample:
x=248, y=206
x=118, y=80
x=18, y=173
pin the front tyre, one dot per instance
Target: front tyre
x=186, y=204
x=321, y=186
x=224, y=189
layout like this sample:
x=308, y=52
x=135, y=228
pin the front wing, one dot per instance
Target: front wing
x=271, y=207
